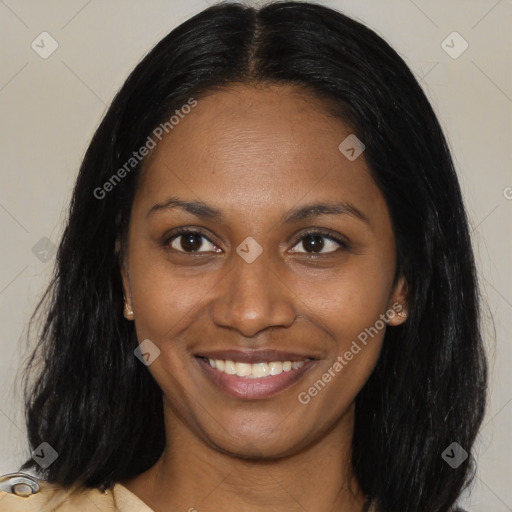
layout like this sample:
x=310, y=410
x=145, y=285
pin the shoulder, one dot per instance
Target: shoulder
x=21, y=492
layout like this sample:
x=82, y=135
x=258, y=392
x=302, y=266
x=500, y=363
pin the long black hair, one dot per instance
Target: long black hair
x=101, y=410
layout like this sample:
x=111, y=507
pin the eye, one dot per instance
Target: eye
x=318, y=242
x=190, y=241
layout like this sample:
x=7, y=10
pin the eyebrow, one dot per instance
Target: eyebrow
x=300, y=213
x=197, y=208
x=329, y=208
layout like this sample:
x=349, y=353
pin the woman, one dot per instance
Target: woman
x=265, y=296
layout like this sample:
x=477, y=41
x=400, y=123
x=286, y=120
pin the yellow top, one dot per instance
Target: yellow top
x=21, y=492
x=33, y=495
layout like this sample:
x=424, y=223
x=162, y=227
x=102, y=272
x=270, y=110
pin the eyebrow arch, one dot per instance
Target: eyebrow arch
x=202, y=210
x=330, y=208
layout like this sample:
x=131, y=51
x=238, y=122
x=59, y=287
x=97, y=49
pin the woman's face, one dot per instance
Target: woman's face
x=291, y=260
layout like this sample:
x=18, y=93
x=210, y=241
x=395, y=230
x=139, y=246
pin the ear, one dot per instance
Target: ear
x=127, y=289
x=398, y=306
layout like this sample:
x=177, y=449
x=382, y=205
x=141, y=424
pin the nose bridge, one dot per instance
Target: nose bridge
x=252, y=297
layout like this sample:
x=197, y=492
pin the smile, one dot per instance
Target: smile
x=256, y=370
x=253, y=375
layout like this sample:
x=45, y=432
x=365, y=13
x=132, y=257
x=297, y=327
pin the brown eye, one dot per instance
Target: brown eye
x=315, y=243
x=191, y=241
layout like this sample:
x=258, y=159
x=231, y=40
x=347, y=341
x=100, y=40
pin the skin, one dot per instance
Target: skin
x=255, y=153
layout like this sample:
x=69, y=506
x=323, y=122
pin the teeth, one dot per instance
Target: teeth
x=260, y=370
x=276, y=367
x=243, y=369
x=229, y=367
x=256, y=370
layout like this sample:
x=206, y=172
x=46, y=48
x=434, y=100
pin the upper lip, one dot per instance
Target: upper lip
x=254, y=356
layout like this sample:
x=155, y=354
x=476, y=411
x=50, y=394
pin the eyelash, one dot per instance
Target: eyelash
x=314, y=232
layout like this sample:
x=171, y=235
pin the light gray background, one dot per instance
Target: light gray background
x=49, y=109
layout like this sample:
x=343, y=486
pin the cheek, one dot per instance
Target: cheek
x=350, y=300
x=162, y=299
x=349, y=310
x=165, y=303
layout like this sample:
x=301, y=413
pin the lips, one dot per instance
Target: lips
x=253, y=374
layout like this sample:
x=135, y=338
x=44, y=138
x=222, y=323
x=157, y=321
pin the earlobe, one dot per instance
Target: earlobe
x=128, y=308
x=397, y=314
x=398, y=307
x=128, y=311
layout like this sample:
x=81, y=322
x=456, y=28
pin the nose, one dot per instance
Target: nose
x=251, y=298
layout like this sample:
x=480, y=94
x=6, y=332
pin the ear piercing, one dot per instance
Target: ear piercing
x=128, y=311
x=402, y=314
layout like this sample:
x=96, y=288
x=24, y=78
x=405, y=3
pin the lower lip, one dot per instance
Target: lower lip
x=253, y=389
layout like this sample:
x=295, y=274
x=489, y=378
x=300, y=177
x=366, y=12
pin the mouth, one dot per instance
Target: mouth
x=253, y=375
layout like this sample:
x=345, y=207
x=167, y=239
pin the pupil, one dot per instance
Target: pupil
x=315, y=244
x=191, y=242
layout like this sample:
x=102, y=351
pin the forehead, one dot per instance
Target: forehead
x=266, y=147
